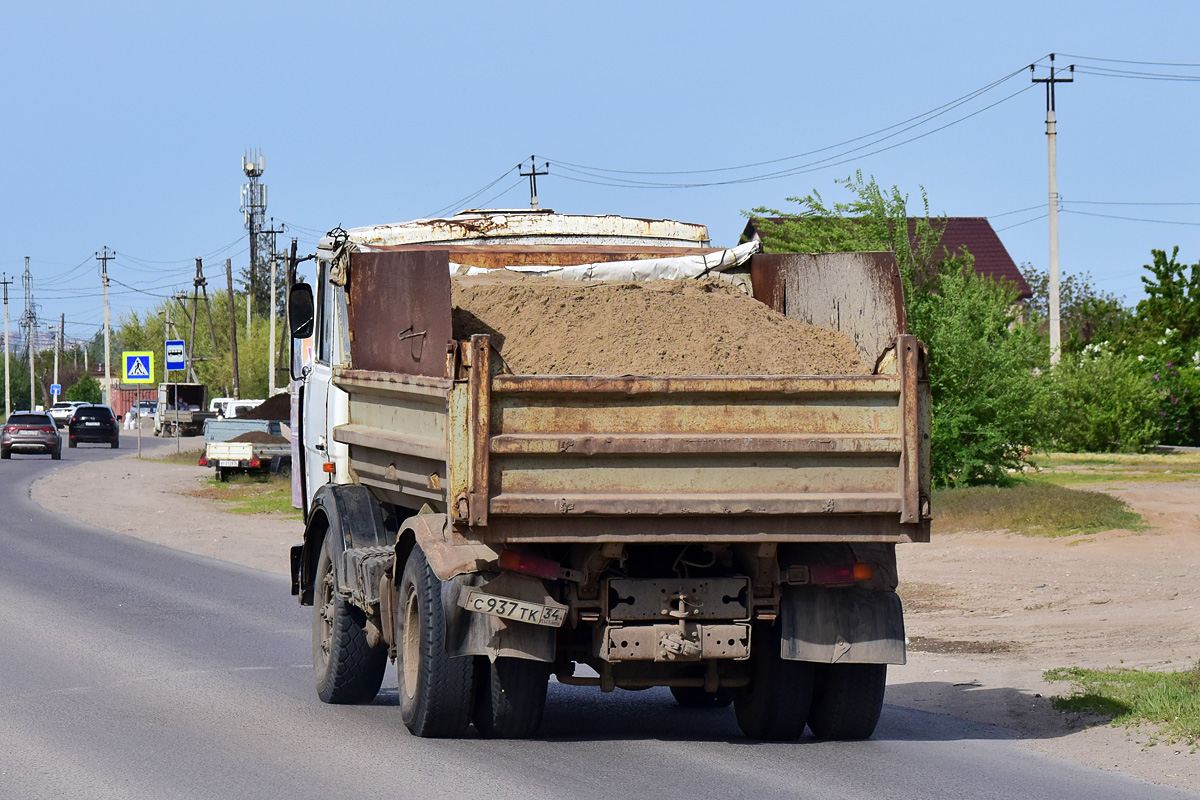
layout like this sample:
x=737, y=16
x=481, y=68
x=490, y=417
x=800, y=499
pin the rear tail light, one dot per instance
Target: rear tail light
x=840, y=574
x=9, y=428
x=46, y=430
x=530, y=565
x=254, y=462
x=203, y=462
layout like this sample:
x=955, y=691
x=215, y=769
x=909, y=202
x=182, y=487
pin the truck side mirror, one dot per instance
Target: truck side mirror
x=300, y=310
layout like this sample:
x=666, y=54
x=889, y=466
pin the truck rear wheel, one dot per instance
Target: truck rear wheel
x=847, y=700
x=348, y=670
x=510, y=697
x=775, y=705
x=696, y=697
x=435, y=689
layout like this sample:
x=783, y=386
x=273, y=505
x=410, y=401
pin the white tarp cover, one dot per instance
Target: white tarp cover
x=650, y=269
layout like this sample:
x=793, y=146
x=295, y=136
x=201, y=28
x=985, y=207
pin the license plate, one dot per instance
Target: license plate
x=92, y=424
x=28, y=433
x=518, y=610
x=227, y=463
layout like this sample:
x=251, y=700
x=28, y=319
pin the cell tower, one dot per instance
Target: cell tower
x=29, y=320
x=254, y=212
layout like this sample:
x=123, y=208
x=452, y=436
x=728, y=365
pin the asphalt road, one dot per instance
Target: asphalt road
x=134, y=671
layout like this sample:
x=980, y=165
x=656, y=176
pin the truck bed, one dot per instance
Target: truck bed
x=524, y=458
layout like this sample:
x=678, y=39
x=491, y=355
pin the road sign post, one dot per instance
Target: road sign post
x=176, y=352
x=138, y=369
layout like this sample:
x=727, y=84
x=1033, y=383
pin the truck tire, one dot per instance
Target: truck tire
x=222, y=475
x=348, y=670
x=847, y=700
x=510, y=697
x=435, y=690
x=775, y=705
x=696, y=697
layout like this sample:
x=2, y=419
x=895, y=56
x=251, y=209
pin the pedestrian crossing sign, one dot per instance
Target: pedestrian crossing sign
x=139, y=366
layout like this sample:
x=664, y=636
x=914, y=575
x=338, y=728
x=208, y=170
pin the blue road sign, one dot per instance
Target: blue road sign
x=176, y=356
x=56, y=389
x=139, y=366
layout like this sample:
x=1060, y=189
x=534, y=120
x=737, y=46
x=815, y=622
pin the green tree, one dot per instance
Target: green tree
x=1172, y=296
x=86, y=390
x=1086, y=313
x=981, y=359
x=213, y=364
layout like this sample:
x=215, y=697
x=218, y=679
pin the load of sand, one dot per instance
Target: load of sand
x=544, y=326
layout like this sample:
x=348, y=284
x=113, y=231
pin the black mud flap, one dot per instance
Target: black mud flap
x=472, y=634
x=842, y=626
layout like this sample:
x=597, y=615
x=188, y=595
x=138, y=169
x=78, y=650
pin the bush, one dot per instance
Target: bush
x=982, y=372
x=86, y=390
x=1101, y=402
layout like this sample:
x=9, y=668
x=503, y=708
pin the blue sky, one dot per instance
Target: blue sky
x=125, y=123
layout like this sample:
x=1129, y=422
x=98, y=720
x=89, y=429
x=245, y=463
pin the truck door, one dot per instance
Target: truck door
x=325, y=406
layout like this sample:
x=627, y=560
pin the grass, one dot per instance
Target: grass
x=251, y=494
x=1170, y=700
x=1032, y=508
x=189, y=457
x=1067, y=469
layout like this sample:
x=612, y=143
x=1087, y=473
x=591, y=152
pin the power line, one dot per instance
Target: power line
x=1130, y=219
x=919, y=119
x=1142, y=76
x=1127, y=61
x=813, y=166
x=1043, y=215
x=464, y=201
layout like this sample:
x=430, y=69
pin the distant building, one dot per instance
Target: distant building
x=974, y=234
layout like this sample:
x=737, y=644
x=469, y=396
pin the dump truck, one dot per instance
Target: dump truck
x=731, y=536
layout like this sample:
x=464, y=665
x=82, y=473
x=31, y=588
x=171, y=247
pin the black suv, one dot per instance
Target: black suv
x=93, y=424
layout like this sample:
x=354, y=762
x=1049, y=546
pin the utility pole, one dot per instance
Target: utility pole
x=57, y=334
x=271, y=347
x=5, y=281
x=232, y=327
x=30, y=324
x=1052, y=160
x=533, y=176
x=104, y=257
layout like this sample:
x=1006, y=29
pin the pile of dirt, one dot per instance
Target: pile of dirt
x=278, y=408
x=544, y=326
x=259, y=437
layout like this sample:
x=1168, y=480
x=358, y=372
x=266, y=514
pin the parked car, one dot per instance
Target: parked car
x=62, y=412
x=30, y=432
x=94, y=424
x=146, y=408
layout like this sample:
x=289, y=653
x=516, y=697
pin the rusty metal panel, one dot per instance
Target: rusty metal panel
x=499, y=256
x=399, y=307
x=694, y=443
x=749, y=475
x=479, y=427
x=859, y=294
x=681, y=529
x=910, y=460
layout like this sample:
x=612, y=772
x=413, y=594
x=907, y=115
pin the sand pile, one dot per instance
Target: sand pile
x=259, y=437
x=543, y=326
x=277, y=407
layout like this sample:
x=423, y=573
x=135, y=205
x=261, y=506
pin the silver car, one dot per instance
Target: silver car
x=30, y=432
x=62, y=412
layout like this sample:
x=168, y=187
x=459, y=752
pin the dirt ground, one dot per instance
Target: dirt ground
x=986, y=612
